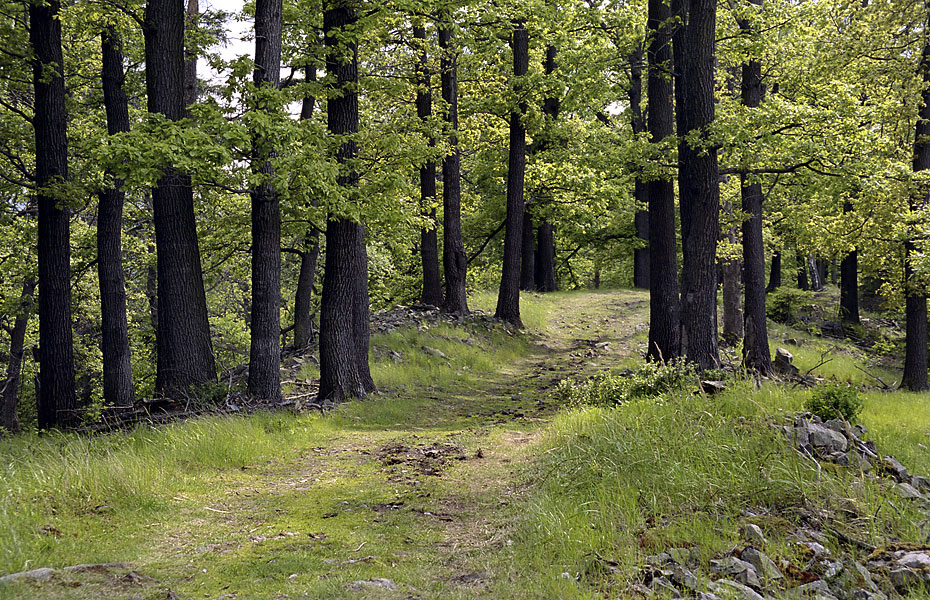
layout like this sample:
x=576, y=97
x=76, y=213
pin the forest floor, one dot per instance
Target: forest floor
x=462, y=479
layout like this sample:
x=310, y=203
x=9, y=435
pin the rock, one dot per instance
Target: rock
x=435, y=352
x=783, y=362
x=831, y=569
x=731, y=590
x=765, y=567
x=43, y=574
x=683, y=578
x=658, y=559
x=891, y=466
x=366, y=584
x=905, y=579
x=707, y=596
x=861, y=594
x=710, y=387
x=914, y=560
x=682, y=556
x=839, y=426
x=793, y=341
x=859, y=430
x=817, y=548
x=922, y=484
x=906, y=490
x=752, y=533
x=739, y=570
x=663, y=586
x=822, y=437
x=811, y=590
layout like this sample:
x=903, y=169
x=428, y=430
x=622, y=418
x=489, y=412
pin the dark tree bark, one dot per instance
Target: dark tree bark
x=545, y=232
x=9, y=393
x=508, y=298
x=528, y=252
x=802, y=271
x=664, y=328
x=265, y=322
x=117, y=363
x=915, y=307
x=699, y=201
x=191, y=85
x=816, y=281
x=849, y=283
x=309, y=255
x=344, y=303
x=429, y=240
x=774, y=272
x=545, y=258
x=185, y=351
x=303, y=324
x=454, y=260
x=641, y=219
x=57, y=401
x=732, y=290
x=756, y=339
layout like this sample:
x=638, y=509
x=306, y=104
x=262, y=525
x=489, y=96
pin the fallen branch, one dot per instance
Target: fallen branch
x=878, y=379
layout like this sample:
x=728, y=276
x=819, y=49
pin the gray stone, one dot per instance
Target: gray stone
x=800, y=437
x=822, y=437
x=817, y=548
x=839, y=426
x=831, y=569
x=765, y=567
x=906, y=490
x=684, y=578
x=682, y=556
x=861, y=594
x=859, y=430
x=783, y=362
x=905, y=579
x=731, y=590
x=435, y=352
x=42, y=574
x=362, y=585
x=661, y=585
x=752, y=533
x=739, y=570
x=658, y=559
x=921, y=483
x=812, y=589
x=914, y=560
x=894, y=468
x=707, y=596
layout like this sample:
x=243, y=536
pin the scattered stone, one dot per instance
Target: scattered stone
x=740, y=570
x=914, y=560
x=662, y=585
x=42, y=574
x=658, y=560
x=812, y=589
x=683, y=578
x=752, y=533
x=906, y=490
x=366, y=584
x=731, y=590
x=891, y=466
x=827, y=439
x=682, y=556
x=905, y=579
x=765, y=567
x=435, y=352
x=783, y=364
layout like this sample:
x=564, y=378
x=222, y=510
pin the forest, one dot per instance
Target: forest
x=526, y=299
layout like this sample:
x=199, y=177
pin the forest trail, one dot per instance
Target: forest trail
x=417, y=505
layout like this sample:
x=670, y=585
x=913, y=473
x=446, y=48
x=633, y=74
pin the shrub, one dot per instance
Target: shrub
x=651, y=380
x=835, y=400
x=783, y=304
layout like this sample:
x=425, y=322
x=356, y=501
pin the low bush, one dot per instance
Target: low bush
x=834, y=401
x=784, y=304
x=651, y=380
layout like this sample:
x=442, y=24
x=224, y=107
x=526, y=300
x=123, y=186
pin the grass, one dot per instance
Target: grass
x=531, y=500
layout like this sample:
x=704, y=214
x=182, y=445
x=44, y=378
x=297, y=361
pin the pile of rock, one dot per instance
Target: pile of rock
x=424, y=315
x=838, y=442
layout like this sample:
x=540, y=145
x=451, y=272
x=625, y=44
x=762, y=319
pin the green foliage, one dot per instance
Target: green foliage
x=784, y=304
x=835, y=401
x=649, y=381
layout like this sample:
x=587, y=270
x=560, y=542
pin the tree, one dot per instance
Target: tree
x=265, y=324
x=9, y=393
x=544, y=258
x=429, y=251
x=57, y=401
x=664, y=316
x=117, y=359
x=344, y=303
x=185, y=352
x=508, y=299
x=849, y=282
x=453, y=248
x=640, y=188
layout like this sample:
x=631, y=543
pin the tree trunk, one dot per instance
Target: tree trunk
x=756, y=339
x=185, y=351
x=802, y=271
x=429, y=250
x=117, y=363
x=732, y=291
x=545, y=258
x=664, y=332
x=528, y=251
x=343, y=340
x=641, y=219
x=454, y=260
x=9, y=401
x=303, y=324
x=57, y=401
x=774, y=272
x=815, y=279
x=265, y=322
x=508, y=299
x=191, y=85
x=915, y=309
x=849, y=283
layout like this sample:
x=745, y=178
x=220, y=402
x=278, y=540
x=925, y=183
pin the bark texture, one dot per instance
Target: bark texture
x=664, y=316
x=117, y=358
x=185, y=352
x=732, y=290
x=508, y=298
x=545, y=280
x=849, y=282
x=429, y=240
x=454, y=260
x=545, y=258
x=699, y=202
x=528, y=251
x=774, y=272
x=9, y=392
x=57, y=400
x=265, y=322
